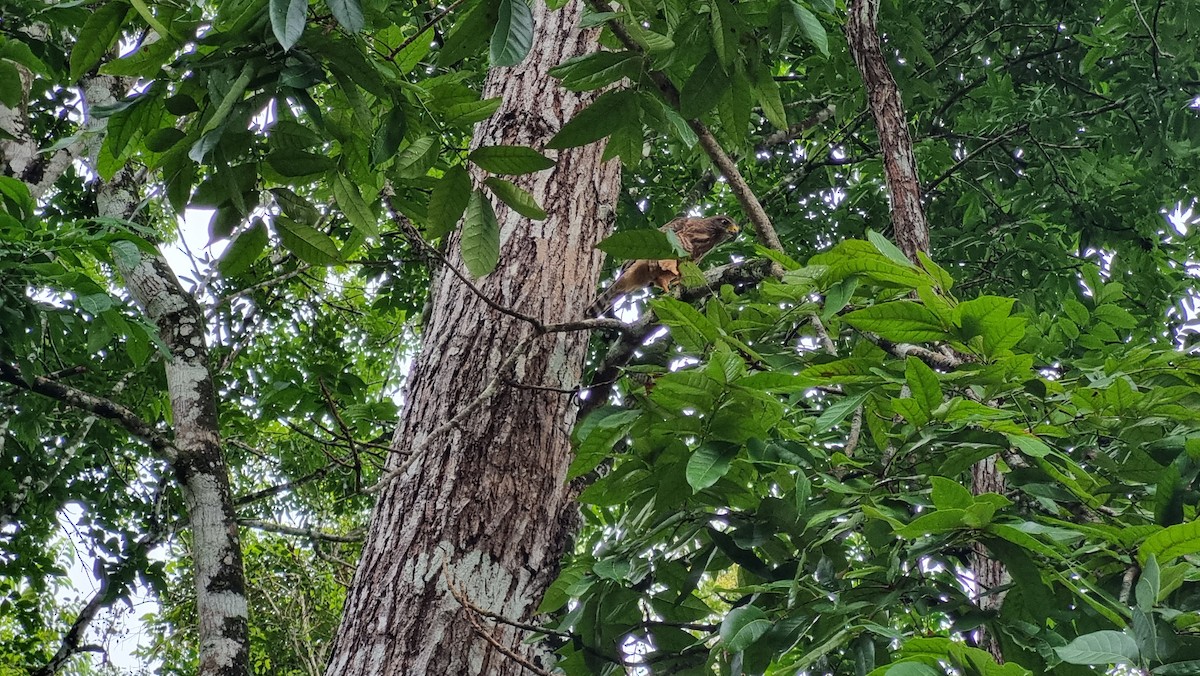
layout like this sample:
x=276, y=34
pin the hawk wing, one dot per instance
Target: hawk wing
x=698, y=236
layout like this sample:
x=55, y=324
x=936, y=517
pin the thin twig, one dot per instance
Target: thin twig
x=311, y=533
x=429, y=24
x=488, y=392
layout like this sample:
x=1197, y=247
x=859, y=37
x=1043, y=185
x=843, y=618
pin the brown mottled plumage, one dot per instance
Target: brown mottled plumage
x=698, y=236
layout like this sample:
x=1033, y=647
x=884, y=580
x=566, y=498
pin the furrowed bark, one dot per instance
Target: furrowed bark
x=484, y=503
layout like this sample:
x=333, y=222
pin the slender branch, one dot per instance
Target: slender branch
x=429, y=24
x=100, y=600
x=796, y=130
x=311, y=533
x=973, y=154
x=414, y=238
x=283, y=487
x=467, y=411
x=99, y=406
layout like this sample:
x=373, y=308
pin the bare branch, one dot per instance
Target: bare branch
x=311, y=533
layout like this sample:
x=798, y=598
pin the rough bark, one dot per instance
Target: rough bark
x=486, y=503
x=899, y=163
x=198, y=464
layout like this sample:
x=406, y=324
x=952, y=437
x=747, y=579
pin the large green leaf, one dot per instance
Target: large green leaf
x=287, y=21
x=900, y=321
x=707, y=465
x=513, y=35
x=480, y=236
x=309, y=244
x=98, y=35
x=447, y=201
x=742, y=627
x=348, y=13
x=510, y=160
x=516, y=197
x=644, y=243
x=1100, y=647
x=704, y=87
x=596, y=70
x=605, y=115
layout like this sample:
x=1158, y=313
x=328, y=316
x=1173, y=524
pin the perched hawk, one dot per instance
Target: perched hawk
x=698, y=236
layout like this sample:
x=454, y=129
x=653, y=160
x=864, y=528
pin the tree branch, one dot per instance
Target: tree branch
x=98, y=406
x=311, y=533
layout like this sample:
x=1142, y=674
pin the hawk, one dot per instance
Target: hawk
x=698, y=236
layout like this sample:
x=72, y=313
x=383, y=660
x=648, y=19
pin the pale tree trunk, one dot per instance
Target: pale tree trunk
x=912, y=235
x=485, y=503
x=197, y=461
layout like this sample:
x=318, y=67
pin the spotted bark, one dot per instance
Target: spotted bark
x=196, y=458
x=485, y=504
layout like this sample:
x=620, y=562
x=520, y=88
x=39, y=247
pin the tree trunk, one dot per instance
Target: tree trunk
x=484, y=505
x=899, y=163
x=197, y=460
x=912, y=235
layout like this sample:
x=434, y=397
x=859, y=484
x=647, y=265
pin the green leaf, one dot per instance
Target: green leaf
x=941, y=521
x=1168, y=543
x=811, y=27
x=707, y=465
x=922, y=384
x=510, y=160
x=96, y=37
x=768, y=97
x=287, y=21
x=742, y=627
x=348, y=14
x=10, y=85
x=912, y=669
x=885, y=247
x=598, y=120
x=480, y=242
x=516, y=197
x=389, y=136
x=837, y=411
x=703, y=88
x=291, y=163
x=470, y=112
x=245, y=249
x=310, y=245
x=691, y=330
x=1029, y=445
x=642, y=244
x=596, y=70
x=1100, y=647
x=1148, y=584
x=162, y=140
x=949, y=494
x=513, y=35
x=416, y=160
x=448, y=201
x=352, y=204
x=899, y=321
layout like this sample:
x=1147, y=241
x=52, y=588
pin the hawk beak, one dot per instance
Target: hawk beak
x=733, y=229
